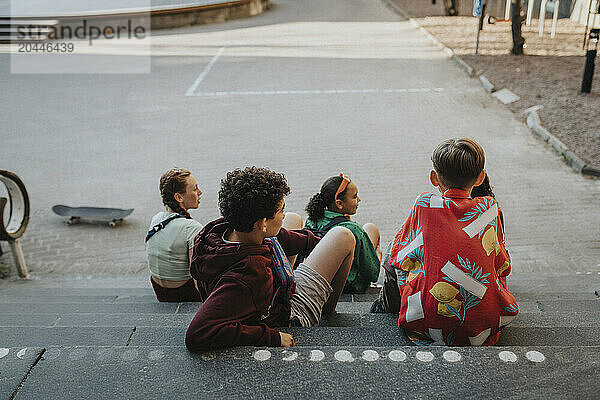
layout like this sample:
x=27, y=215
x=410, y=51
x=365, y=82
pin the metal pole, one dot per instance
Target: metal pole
x=590, y=58
x=529, y=12
x=554, y=18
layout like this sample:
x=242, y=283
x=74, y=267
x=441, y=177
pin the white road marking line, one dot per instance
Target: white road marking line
x=192, y=89
x=468, y=283
x=535, y=356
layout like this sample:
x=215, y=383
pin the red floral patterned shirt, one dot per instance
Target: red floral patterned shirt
x=451, y=266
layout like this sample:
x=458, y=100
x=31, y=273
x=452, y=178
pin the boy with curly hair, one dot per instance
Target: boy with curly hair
x=446, y=268
x=241, y=264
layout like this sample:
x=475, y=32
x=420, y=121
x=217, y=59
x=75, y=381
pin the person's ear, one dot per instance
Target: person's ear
x=433, y=178
x=178, y=197
x=339, y=204
x=261, y=225
x=480, y=178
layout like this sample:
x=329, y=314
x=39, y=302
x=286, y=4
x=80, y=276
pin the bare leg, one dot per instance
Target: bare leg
x=332, y=259
x=292, y=221
x=373, y=233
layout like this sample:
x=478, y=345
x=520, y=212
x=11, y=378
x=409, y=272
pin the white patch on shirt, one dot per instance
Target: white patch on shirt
x=481, y=222
x=468, y=283
x=436, y=335
x=479, y=339
x=506, y=319
x=416, y=242
x=414, y=309
x=436, y=202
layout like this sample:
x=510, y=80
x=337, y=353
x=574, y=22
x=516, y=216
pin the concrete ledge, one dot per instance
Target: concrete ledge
x=487, y=85
x=168, y=17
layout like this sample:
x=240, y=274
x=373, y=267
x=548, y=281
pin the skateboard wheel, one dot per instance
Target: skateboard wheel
x=112, y=224
x=69, y=222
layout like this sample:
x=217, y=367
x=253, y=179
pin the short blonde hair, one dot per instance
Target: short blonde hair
x=458, y=162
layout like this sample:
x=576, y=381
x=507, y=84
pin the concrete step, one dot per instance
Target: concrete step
x=342, y=318
x=315, y=371
x=383, y=333
x=104, y=305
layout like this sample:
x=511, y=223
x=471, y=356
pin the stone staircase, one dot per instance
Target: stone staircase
x=27, y=31
x=96, y=337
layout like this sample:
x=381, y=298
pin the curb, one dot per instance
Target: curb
x=533, y=120
x=534, y=123
x=466, y=67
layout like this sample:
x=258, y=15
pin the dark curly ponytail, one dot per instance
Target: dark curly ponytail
x=319, y=202
x=171, y=182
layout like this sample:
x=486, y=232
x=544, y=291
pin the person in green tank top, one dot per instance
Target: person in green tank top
x=338, y=200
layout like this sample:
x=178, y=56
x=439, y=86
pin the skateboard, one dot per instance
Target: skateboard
x=112, y=215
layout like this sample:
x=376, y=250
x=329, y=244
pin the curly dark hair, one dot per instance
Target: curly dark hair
x=251, y=194
x=319, y=202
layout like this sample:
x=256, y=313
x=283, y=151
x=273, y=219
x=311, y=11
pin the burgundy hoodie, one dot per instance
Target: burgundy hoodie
x=236, y=284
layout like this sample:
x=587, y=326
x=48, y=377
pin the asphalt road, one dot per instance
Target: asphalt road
x=308, y=88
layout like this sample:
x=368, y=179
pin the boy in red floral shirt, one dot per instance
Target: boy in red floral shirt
x=446, y=268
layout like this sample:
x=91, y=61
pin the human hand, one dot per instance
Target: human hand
x=286, y=340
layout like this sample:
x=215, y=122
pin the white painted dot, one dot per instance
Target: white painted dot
x=317, y=355
x=508, y=356
x=129, y=355
x=262, y=355
x=578, y=273
x=397, y=355
x=425, y=356
x=51, y=354
x=452, y=356
x=289, y=355
x=370, y=355
x=343, y=356
x=77, y=354
x=156, y=355
x=104, y=354
x=4, y=352
x=21, y=353
x=535, y=356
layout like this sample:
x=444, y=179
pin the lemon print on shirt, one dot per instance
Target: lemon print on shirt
x=446, y=294
x=412, y=267
x=489, y=241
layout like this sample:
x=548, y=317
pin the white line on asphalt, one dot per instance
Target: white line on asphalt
x=192, y=89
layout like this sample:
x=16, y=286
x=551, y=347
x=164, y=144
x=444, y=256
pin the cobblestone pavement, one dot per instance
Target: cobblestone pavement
x=364, y=92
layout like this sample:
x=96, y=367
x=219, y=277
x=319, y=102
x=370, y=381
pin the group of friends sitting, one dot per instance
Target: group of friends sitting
x=257, y=268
